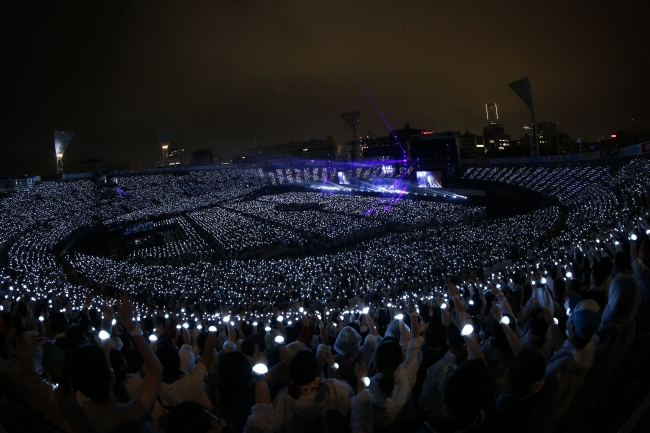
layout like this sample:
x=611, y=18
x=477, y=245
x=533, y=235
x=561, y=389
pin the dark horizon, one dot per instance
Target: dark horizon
x=229, y=75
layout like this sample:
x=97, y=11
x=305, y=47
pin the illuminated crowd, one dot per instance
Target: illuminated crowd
x=438, y=319
x=237, y=234
x=562, y=183
x=189, y=248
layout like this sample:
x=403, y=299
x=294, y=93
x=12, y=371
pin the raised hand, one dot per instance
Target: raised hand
x=125, y=311
x=496, y=312
x=460, y=318
x=360, y=370
x=258, y=357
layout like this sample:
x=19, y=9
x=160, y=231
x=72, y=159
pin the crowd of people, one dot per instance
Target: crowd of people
x=181, y=244
x=562, y=183
x=397, y=210
x=472, y=325
x=237, y=234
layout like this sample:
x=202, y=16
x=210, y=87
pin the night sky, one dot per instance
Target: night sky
x=228, y=74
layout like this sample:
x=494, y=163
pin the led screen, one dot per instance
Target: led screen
x=429, y=179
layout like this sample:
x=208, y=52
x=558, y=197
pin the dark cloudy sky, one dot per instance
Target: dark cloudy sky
x=227, y=73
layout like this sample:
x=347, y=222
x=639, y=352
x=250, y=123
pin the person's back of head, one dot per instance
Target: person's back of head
x=602, y=271
x=583, y=322
x=91, y=372
x=456, y=343
x=526, y=372
x=303, y=370
x=436, y=334
x=248, y=346
x=235, y=371
x=171, y=362
x=59, y=323
x=347, y=342
x=356, y=327
x=469, y=390
x=75, y=337
x=292, y=334
x=388, y=357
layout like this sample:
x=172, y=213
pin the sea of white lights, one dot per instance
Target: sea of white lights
x=403, y=266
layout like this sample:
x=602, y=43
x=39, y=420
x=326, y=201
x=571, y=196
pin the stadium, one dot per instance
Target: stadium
x=219, y=241
x=332, y=277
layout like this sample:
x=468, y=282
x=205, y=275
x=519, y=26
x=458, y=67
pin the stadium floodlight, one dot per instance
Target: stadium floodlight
x=351, y=119
x=165, y=137
x=61, y=141
x=523, y=89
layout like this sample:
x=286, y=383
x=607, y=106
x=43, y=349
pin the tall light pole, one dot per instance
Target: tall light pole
x=165, y=148
x=523, y=89
x=164, y=138
x=61, y=141
x=351, y=119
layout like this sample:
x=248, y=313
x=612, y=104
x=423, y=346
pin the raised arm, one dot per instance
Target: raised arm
x=151, y=383
x=371, y=325
x=444, y=311
x=208, y=349
x=461, y=320
x=633, y=249
x=261, y=419
x=513, y=340
x=556, y=335
x=415, y=322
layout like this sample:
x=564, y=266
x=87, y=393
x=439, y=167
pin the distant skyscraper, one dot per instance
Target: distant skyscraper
x=548, y=138
x=495, y=137
x=491, y=112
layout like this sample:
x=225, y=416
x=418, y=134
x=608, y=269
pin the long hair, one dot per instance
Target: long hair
x=91, y=372
x=388, y=358
x=171, y=362
x=303, y=369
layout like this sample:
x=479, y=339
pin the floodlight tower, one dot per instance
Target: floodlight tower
x=523, y=89
x=352, y=118
x=61, y=141
x=164, y=138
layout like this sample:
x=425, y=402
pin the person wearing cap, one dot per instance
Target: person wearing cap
x=615, y=336
x=391, y=387
x=308, y=395
x=568, y=367
x=432, y=398
x=37, y=390
x=350, y=352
